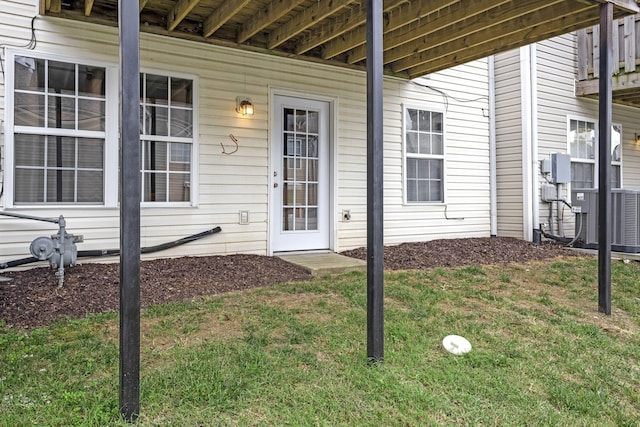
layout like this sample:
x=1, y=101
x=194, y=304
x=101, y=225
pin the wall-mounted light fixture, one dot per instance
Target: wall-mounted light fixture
x=244, y=106
x=637, y=138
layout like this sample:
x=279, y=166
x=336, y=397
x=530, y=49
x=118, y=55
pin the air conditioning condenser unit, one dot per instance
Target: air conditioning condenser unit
x=624, y=219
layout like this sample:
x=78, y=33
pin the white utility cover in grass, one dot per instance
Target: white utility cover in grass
x=456, y=344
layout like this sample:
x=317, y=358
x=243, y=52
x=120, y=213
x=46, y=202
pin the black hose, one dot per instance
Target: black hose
x=163, y=246
x=98, y=252
x=151, y=249
x=17, y=262
x=114, y=252
x=560, y=239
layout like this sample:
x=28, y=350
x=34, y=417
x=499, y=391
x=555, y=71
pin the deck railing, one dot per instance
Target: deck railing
x=626, y=48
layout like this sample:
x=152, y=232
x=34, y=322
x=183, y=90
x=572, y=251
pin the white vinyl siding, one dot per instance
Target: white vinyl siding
x=556, y=102
x=509, y=140
x=559, y=105
x=242, y=181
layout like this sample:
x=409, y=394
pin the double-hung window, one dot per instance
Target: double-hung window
x=583, y=145
x=424, y=155
x=57, y=131
x=166, y=134
x=61, y=143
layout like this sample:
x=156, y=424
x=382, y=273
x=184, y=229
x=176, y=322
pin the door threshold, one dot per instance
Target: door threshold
x=303, y=252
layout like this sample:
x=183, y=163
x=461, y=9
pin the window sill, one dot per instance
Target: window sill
x=57, y=207
x=177, y=205
x=423, y=204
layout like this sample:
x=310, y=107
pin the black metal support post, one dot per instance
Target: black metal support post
x=604, y=160
x=375, y=193
x=128, y=19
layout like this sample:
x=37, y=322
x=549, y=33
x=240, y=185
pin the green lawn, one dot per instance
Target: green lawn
x=295, y=354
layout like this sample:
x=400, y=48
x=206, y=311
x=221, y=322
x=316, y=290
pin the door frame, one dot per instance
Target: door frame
x=274, y=135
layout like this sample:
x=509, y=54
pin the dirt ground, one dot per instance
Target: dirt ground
x=33, y=298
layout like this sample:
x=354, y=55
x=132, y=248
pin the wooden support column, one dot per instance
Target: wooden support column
x=375, y=224
x=604, y=160
x=129, y=24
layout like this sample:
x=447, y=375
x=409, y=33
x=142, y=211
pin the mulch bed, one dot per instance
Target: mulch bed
x=33, y=298
x=459, y=252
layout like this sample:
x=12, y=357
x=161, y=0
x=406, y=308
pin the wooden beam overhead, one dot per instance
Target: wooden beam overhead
x=143, y=3
x=55, y=6
x=348, y=21
x=335, y=28
x=305, y=19
x=420, y=36
x=88, y=5
x=179, y=12
x=431, y=23
x=404, y=55
x=403, y=15
x=475, y=47
x=276, y=10
x=218, y=18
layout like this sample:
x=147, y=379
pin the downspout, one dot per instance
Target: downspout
x=493, y=196
x=535, y=188
x=525, y=114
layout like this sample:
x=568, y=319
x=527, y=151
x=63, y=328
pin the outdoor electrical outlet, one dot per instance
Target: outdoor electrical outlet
x=244, y=217
x=346, y=215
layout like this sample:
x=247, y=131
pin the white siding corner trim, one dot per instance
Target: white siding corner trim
x=529, y=114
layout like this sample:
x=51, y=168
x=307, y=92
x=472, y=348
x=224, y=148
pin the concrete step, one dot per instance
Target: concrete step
x=321, y=264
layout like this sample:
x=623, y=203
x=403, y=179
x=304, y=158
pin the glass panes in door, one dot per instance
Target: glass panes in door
x=300, y=176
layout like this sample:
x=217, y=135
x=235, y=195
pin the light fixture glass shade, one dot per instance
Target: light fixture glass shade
x=244, y=107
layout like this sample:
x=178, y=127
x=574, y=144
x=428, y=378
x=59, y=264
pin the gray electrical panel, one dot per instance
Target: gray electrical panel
x=560, y=168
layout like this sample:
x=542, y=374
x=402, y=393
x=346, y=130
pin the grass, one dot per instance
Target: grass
x=295, y=354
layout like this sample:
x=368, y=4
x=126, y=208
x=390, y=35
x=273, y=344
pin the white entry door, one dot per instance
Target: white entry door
x=300, y=175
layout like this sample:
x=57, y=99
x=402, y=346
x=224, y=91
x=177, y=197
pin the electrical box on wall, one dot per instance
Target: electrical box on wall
x=548, y=193
x=560, y=168
x=545, y=166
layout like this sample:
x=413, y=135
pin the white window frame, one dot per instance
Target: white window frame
x=405, y=154
x=595, y=148
x=193, y=140
x=583, y=160
x=617, y=163
x=110, y=174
